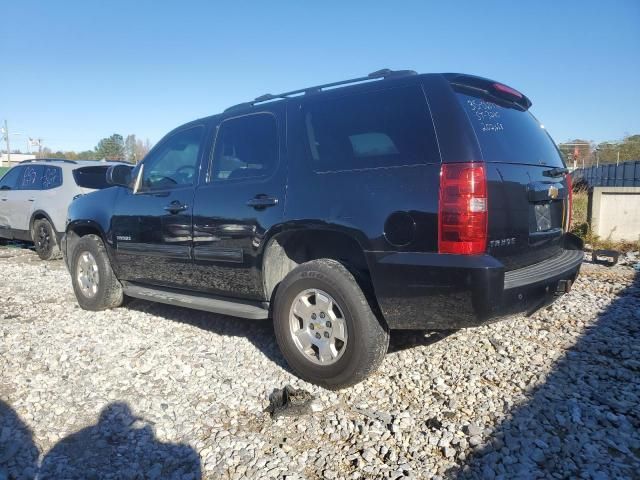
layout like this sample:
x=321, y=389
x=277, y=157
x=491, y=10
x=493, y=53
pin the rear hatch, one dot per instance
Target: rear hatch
x=91, y=178
x=528, y=192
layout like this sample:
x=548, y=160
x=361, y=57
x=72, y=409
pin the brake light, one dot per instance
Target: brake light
x=462, y=211
x=569, y=200
x=507, y=90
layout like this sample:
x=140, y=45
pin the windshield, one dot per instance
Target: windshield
x=509, y=135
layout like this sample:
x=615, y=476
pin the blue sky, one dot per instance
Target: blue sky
x=73, y=72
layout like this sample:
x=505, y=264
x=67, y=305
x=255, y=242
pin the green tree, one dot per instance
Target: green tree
x=111, y=148
x=626, y=149
x=86, y=155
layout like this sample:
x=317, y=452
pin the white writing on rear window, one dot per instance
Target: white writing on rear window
x=487, y=115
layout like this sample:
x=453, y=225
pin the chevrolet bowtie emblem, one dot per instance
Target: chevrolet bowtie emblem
x=553, y=192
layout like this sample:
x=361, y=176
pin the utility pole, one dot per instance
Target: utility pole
x=5, y=130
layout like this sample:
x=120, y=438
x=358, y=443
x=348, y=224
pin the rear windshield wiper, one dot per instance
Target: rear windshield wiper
x=555, y=172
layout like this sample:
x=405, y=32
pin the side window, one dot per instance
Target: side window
x=370, y=130
x=31, y=179
x=246, y=147
x=51, y=178
x=10, y=179
x=174, y=162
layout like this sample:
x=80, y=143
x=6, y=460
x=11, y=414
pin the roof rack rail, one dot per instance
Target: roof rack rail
x=31, y=160
x=378, y=74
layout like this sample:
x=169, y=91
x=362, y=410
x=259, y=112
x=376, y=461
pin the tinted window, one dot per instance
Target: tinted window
x=174, y=162
x=509, y=135
x=51, y=178
x=10, y=179
x=31, y=178
x=94, y=178
x=370, y=130
x=246, y=147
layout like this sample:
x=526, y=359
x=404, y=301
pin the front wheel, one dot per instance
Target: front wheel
x=325, y=326
x=94, y=282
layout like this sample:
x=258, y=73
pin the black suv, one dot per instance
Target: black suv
x=392, y=201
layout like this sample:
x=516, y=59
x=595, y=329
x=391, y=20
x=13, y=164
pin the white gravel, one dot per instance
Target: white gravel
x=151, y=391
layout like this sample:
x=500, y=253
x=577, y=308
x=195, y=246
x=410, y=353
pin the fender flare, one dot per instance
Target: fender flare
x=42, y=213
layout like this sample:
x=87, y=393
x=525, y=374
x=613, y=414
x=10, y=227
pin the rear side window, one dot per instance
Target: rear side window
x=31, y=178
x=509, y=135
x=370, y=130
x=11, y=178
x=51, y=178
x=246, y=147
x=94, y=178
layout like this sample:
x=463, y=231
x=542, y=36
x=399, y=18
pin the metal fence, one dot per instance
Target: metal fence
x=627, y=174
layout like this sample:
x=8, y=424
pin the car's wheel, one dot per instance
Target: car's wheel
x=94, y=282
x=44, y=238
x=325, y=326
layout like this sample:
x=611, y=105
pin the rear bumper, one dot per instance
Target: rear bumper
x=433, y=291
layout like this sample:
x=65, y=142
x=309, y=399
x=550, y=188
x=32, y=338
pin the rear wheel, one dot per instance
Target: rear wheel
x=325, y=326
x=94, y=283
x=44, y=238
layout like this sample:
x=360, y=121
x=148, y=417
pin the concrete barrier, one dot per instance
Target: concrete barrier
x=614, y=213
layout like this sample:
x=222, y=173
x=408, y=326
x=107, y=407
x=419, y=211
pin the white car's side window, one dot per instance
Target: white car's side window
x=10, y=179
x=52, y=178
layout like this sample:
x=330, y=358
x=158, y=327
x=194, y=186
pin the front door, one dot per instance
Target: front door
x=151, y=226
x=8, y=197
x=241, y=199
x=24, y=197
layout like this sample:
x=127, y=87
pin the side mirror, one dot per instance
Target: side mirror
x=119, y=175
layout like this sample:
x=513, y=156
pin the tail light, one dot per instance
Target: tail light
x=569, y=200
x=462, y=212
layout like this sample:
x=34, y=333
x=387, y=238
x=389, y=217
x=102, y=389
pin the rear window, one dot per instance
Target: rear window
x=52, y=178
x=370, y=130
x=509, y=135
x=94, y=178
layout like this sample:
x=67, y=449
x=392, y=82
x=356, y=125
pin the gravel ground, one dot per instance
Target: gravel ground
x=151, y=391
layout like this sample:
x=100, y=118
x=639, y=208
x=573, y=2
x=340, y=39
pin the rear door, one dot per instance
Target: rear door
x=243, y=197
x=528, y=195
x=52, y=199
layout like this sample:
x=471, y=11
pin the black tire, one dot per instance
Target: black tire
x=45, y=240
x=368, y=336
x=109, y=292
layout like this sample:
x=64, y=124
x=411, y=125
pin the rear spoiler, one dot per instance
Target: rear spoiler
x=488, y=87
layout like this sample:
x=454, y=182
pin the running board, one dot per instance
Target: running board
x=198, y=301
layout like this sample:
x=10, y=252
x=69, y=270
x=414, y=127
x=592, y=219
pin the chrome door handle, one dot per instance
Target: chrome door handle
x=176, y=206
x=262, y=201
